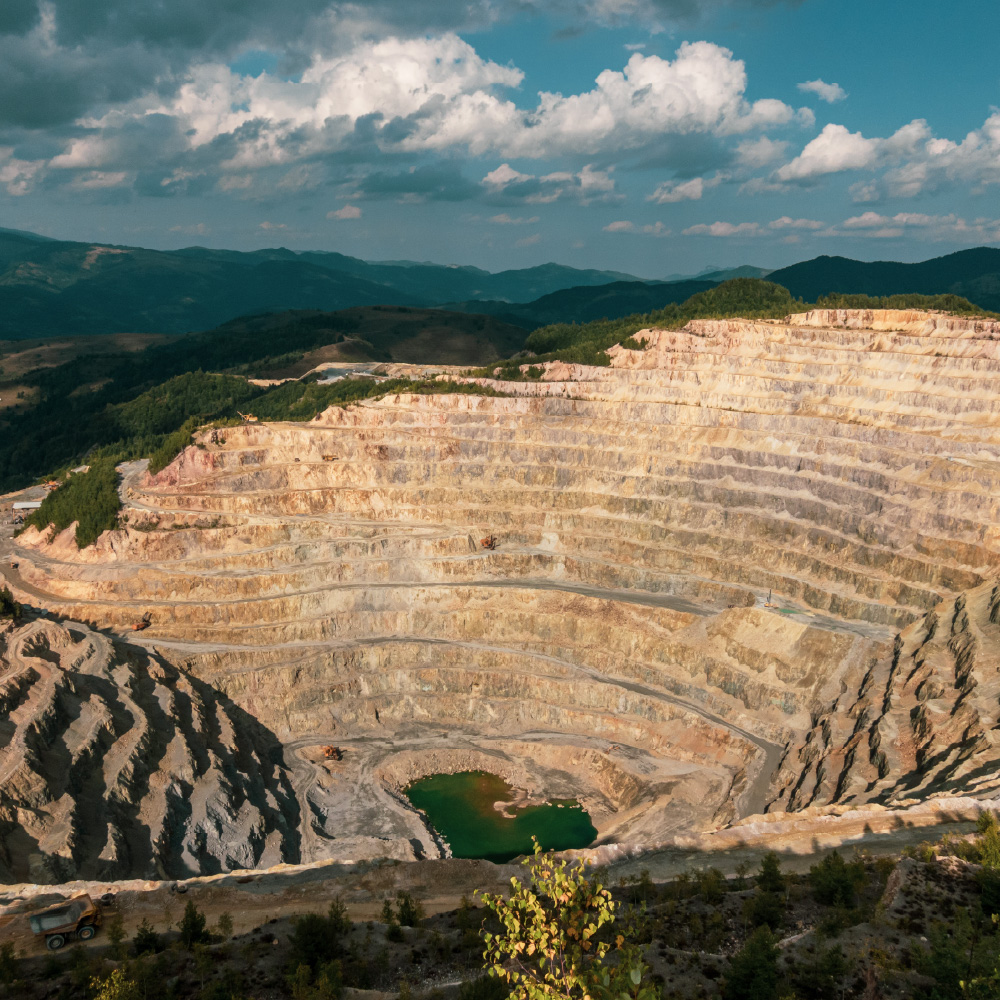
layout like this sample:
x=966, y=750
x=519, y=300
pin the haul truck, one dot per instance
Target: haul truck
x=77, y=918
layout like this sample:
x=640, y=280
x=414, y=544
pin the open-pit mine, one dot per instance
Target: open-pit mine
x=747, y=571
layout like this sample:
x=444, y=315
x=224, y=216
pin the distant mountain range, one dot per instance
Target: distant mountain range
x=50, y=287
x=714, y=273
x=363, y=333
x=973, y=274
x=582, y=305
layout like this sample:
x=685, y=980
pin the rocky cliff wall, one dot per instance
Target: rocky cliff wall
x=329, y=579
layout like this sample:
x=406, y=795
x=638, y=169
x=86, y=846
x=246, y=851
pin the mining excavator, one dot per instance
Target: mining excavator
x=248, y=418
x=489, y=542
x=333, y=753
x=144, y=622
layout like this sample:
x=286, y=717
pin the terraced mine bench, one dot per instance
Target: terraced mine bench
x=847, y=462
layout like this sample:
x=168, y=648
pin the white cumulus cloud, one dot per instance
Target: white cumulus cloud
x=437, y=93
x=503, y=219
x=347, y=212
x=586, y=185
x=786, y=222
x=833, y=150
x=754, y=153
x=829, y=92
x=692, y=190
x=649, y=229
x=912, y=159
x=724, y=229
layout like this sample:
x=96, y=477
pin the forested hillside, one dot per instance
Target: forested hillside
x=971, y=274
x=147, y=402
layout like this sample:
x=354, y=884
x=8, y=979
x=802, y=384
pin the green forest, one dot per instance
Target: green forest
x=89, y=498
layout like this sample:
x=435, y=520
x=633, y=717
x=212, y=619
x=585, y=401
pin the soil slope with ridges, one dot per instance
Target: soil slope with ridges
x=117, y=764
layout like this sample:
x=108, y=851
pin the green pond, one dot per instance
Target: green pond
x=460, y=807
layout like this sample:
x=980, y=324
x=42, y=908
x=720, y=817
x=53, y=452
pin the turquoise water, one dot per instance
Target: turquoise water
x=460, y=807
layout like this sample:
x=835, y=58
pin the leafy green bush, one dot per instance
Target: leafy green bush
x=711, y=886
x=327, y=984
x=118, y=986
x=318, y=938
x=770, y=878
x=146, y=940
x=409, y=911
x=484, y=988
x=9, y=608
x=961, y=950
x=820, y=978
x=834, y=882
x=764, y=909
x=548, y=941
x=89, y=498
x=192, y=926
x=753, y=971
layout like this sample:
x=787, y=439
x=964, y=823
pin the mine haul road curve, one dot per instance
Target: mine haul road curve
x=752, y=800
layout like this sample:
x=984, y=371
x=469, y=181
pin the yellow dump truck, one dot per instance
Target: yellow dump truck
x=77, y=918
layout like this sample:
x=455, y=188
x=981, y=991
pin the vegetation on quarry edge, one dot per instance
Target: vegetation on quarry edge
x=91, y=498
x=922, y=925
x=743, y=298
x=82, y=404
x=127, y=418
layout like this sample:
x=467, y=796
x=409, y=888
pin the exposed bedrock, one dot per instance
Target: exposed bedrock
x=921, y=720
x=328, y=579
x=116, y=764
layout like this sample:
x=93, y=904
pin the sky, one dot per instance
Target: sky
x=653, y=137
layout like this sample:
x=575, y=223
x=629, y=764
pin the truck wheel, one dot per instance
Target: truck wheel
x=54, y=942
x=86, y=932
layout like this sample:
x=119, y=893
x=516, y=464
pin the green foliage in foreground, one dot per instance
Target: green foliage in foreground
x=550, y=944
x=562, y=936
x=318, y=938
x=89, y=498
x=192, y=926
x=835, y=882
x=753, y=973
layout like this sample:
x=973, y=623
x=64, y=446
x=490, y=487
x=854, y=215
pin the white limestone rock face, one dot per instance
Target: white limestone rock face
x=326, y=581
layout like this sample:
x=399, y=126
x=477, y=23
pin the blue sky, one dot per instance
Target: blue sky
x=648, y=136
